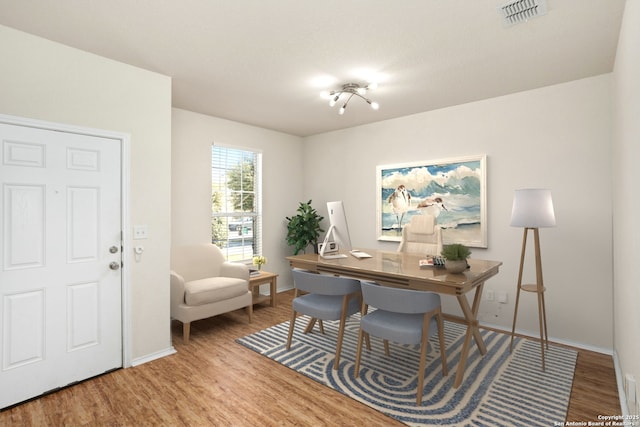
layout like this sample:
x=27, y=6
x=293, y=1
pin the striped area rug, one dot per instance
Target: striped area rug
x=499, y=388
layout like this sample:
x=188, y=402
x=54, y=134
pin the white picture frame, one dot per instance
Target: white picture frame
x=453, y=190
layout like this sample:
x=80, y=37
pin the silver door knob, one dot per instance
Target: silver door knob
x=113, y=249
x=114, y=265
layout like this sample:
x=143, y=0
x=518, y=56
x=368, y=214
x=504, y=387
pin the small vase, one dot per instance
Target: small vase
x=455, y=266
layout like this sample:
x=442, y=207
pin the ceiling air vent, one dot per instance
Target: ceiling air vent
x=518, y=11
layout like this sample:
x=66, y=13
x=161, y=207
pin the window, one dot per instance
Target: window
x=236, y=218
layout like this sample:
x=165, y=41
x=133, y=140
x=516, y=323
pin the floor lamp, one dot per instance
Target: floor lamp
x=533, y=209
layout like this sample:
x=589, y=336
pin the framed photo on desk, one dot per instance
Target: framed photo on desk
x=452, y=190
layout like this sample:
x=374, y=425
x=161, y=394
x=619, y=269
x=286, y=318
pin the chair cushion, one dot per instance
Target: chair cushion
x=397, y=327
x=213, y=289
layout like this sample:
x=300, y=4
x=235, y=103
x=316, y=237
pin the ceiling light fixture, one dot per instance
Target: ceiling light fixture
x=349, y=90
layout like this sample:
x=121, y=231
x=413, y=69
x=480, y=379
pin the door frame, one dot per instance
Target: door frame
x=124, y=140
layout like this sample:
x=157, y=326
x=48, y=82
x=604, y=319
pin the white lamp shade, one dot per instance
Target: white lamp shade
x=533, y=208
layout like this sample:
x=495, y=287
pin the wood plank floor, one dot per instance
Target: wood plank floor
x=213, y=381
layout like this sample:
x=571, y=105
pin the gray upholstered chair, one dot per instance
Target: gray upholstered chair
x=326, y=298
x=403, y=316
x=421, y=235
x=204, y=284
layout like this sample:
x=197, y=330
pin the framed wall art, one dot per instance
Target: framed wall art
x=452, y=190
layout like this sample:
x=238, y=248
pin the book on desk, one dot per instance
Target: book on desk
x=431, y=261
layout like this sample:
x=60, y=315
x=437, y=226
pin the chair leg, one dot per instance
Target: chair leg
x=186, y=330
x=363, y=312
x=443, y=352
x=423, y=359
x=386, y=348
x=343, y=321
x=292, y=323
x=356, y=368
x=310, y=325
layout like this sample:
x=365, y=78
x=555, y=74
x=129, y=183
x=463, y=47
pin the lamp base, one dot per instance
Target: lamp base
x=537, y=288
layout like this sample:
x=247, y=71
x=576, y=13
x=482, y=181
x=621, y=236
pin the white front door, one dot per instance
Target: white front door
x=60, y=258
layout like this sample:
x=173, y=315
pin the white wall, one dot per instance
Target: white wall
x=557, y=137
x=48, y=81
x=282, y=185
x=626, y=176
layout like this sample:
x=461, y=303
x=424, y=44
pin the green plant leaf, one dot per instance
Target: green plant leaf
x=304, y=228
x=455, y=251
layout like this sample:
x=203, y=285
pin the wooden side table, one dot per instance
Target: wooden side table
x=263, y=278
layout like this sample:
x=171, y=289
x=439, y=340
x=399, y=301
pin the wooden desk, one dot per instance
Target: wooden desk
x=262, y=278
x=402, y=270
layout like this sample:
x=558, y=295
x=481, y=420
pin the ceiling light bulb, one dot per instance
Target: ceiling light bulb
x=372, y=86
x=348, y=91
x=325, y=94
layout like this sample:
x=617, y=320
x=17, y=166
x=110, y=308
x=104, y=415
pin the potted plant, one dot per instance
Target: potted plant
x=259, y=260
x=455, y=257
x=304, y=229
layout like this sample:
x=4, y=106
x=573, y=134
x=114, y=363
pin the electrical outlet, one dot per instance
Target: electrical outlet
x=630, y=389
x=502, y=297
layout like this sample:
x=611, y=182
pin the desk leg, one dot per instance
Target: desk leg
x=272, y=290
x=470, y=315
x=476, y=331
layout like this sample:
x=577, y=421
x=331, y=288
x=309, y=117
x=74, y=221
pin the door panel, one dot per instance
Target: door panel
x=83, y=324
x=82, y=224
x=23, y=332
x=24, y=221
x=60, y=302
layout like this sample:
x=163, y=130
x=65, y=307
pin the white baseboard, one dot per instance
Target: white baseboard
x=153, y=356
x=620, y=380
x=582, y=346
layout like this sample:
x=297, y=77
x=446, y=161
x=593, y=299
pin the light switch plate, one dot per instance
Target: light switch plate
x=140, y=232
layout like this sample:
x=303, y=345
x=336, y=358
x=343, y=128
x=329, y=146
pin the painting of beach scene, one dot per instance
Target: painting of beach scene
x=452, y=190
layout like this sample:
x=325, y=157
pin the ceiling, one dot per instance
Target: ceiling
x=265, y=63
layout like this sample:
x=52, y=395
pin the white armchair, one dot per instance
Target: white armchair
x=203, y=285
